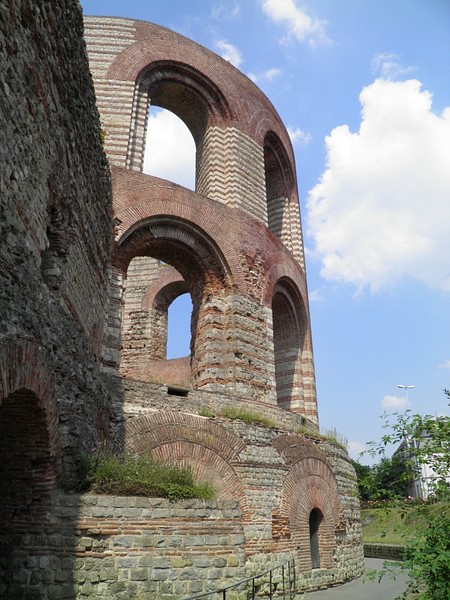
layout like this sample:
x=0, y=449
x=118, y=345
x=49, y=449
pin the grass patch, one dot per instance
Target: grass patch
x=247, y=416
x=205, y=411
x=396, y=524
x=139, y=475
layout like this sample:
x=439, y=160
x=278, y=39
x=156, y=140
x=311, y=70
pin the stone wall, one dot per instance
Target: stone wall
x=55, y=238
x=138, y=548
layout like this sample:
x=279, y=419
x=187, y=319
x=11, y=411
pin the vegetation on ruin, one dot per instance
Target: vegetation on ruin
x=249, y=417
x=139, y=475
x=205, y=411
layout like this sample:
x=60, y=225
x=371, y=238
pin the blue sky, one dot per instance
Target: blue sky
x=364, y=89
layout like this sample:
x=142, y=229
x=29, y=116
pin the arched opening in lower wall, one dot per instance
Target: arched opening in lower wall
x=315, y=521
x=27, y=475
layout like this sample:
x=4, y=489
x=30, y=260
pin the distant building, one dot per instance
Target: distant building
x=424, y=477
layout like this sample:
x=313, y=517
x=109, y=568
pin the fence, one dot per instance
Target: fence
x=278, y=582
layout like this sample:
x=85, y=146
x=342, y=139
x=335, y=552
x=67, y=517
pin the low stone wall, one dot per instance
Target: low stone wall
x=117, y=548
x=386, y=551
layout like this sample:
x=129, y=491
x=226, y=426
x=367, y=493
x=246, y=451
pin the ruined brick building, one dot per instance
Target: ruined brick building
x=89, y=267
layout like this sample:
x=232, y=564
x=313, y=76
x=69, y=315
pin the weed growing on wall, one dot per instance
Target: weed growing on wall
x=140, y=475
x=247, y=416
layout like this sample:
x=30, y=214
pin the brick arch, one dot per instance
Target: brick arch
x=180, y=243
x=206, y=447
x=169, y=285
x=290, y=324
x=25, y=366
x=29, y=448
x=239, y=102
x=187, y=92
x=280, y=186
x=310, y=484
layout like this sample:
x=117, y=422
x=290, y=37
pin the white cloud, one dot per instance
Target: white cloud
x=394, y=402
x=387, y=66
x=445, y=365
x=299, y=25
x=169, y=149
x=224, y=12
x=229, y=52
x=268, y=75
x=381, y=209
x=298, y=136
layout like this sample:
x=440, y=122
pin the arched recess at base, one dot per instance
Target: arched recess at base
x=28, y=447
x=187, y=440
x=310, y=502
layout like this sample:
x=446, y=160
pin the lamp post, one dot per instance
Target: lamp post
x=406, y=388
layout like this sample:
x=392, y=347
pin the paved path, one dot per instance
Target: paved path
x=361, y=589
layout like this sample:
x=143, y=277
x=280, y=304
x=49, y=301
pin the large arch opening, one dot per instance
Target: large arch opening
x=182, y=90
x=289, y=330
x=161, y=259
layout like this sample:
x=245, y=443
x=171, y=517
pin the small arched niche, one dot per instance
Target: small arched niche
x=315, y=522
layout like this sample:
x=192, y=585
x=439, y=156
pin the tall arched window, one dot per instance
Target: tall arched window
x=289, y=327
x=279, y=185
x=169, y=148
x=179, y=327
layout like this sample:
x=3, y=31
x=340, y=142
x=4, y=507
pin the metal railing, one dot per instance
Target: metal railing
x=277, y=582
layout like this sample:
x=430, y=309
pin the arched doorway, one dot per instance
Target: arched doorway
x=315, y=521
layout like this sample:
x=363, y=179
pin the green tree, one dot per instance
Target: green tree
x=382, y=481
x=364, y=475
x=426, y=440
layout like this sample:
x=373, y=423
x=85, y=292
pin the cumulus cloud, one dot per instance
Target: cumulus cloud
x=445, y=365
x=268, y=75
x=394, y=402
x=298, y=136
x=169, y=149
x=298, y=24
x=229, y=52
x=387, y=65
x=381, y=209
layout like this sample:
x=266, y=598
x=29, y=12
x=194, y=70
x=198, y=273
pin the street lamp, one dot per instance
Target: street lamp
x=406, y=388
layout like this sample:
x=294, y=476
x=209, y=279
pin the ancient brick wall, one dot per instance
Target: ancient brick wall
x=55, y=238
x=236, y=241
x=79, y=292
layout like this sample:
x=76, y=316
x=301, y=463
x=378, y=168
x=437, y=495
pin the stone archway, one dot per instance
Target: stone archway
x=29, y=452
